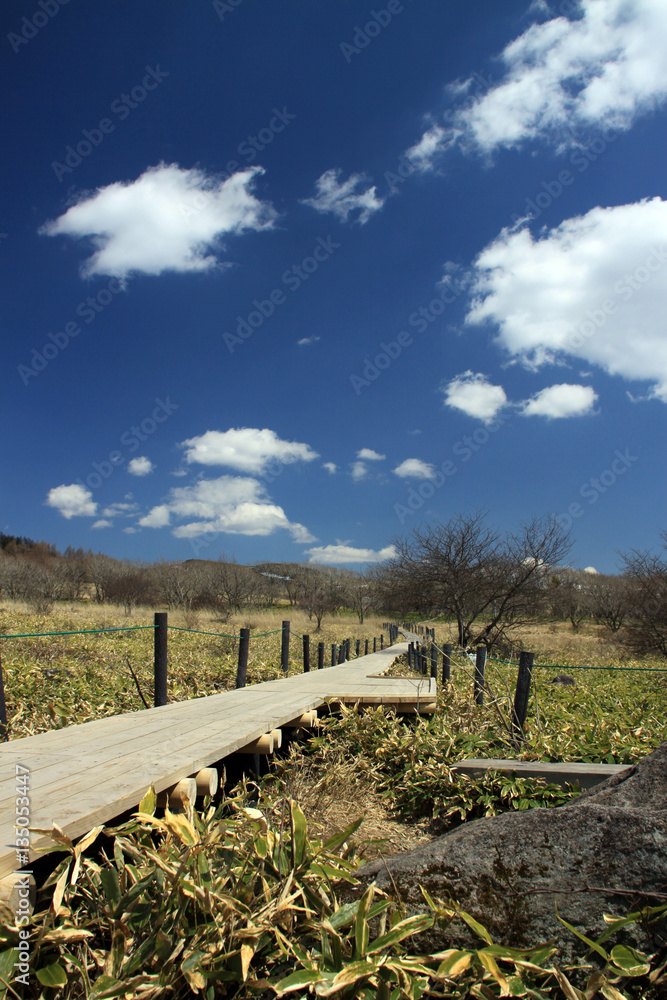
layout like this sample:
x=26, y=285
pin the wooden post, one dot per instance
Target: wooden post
x=446, y=663
x=160, y=659
x=366, y=648
x=333, y=654
x=242, y=665
x=357, y=647
x=341, y=653
x=522, y=691
x=347, y=649
x=375, y=645
x=4, y=733
x=410, y=656
x=480, y=664
x=382, y=640
x=284, y=649
x=306, y=654
x=320, y=655
x=434, y=661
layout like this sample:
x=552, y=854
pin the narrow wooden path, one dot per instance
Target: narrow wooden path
x=85, y=775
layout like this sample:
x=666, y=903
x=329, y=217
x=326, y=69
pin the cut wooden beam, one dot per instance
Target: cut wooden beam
x=207, y=781
x=277, y=738
x=179, y=796
x=308, y=720
x=262, y=745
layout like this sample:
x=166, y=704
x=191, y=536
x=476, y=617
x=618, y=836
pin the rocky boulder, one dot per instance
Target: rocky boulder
x=604, y=852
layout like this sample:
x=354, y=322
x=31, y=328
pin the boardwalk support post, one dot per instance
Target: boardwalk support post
x=521, y=695
x=480, y=664
x=284, y=649
x=306, y=654
x=160, y=660
x=446, y=663
x=242, y=665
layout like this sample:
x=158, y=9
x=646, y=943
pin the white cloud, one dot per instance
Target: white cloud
x=102, y=524
x=592, y=570
x=475, y=395
x=561, y=401
x=120, y=509
x=157, y=517
x=305, y=341
x=358, y=471
x=140, y=466
x=168, y=219
x=331, y=467
x=333, y=554
x=343, y=198
x=72, y=501
x=247, y=449
x=594, y=288
x=601, y=69
x=414, y=468
x=235, y=505
x=368, y=455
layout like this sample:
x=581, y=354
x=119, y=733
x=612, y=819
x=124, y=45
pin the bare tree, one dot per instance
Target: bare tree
x=646, y=628
x=490, y=584
x=570, y=596
x=611, y=598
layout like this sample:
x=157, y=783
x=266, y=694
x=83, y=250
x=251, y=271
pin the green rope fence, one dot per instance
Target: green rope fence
x=83, y=631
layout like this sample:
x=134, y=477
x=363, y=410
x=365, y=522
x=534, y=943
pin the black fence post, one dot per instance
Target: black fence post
x=341, y=652
x=480, y=665
x=375, y=645
x=446, y=663
x=160, y=659
x=333, y=654
x=522, y=691
x=358, y=645
x=284, y=649
x=434, y=661
x=242, y=666
x=4, y=732
x=366, y=648
x=306, y=654
x=382, y=640
x=320, y=655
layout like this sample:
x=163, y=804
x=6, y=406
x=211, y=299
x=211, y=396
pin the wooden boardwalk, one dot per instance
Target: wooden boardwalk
x=86, y=775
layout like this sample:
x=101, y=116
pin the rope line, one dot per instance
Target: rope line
x=83, y=631
x=197, y=631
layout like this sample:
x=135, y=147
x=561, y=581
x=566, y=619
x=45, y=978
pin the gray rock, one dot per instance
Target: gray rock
x=562, y=680
x=605, y=852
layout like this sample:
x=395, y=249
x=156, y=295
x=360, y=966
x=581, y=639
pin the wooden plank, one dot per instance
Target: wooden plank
x=107, y=764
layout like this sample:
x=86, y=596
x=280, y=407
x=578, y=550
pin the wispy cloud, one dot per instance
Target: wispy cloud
x=603, y=68
x=343, y=198
x=342, y=553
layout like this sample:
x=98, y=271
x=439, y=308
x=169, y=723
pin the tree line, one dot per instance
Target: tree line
x=490, y=584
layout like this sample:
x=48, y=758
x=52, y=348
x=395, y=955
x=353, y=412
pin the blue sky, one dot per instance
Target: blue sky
x=287, y=280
